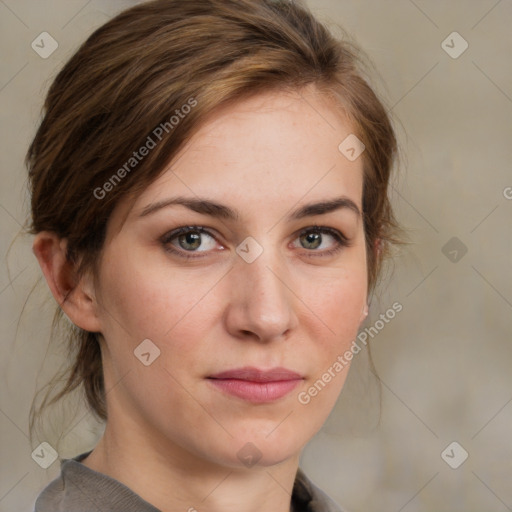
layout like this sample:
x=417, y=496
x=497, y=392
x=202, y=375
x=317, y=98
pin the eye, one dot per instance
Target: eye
x=187, y=242
x=191, y=239
x=314, y=237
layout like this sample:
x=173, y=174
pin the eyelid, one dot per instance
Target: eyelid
x=186, y=229
x=342, y=241
x=170, y=235
x=324, y=229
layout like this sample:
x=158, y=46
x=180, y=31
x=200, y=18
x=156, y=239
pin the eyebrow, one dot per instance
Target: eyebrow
x=214, y=209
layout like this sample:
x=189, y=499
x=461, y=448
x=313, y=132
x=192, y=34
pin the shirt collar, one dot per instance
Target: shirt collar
x=306, y=496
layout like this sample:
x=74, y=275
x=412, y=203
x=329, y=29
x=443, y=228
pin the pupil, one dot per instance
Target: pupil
x=192, y=239
x=312, y=238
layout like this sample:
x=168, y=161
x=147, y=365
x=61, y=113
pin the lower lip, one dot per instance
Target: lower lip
x=256, y=392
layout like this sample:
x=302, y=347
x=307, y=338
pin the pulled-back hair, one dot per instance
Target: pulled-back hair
x=168, y=64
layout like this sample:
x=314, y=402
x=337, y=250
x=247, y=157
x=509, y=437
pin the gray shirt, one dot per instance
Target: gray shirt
x=81, y=489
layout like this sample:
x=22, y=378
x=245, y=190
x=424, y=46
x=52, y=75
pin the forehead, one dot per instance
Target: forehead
x=266, y=151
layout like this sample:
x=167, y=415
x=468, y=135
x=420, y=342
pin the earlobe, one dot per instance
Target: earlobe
x=377, y=247
x=364, y=313
x=74, y=295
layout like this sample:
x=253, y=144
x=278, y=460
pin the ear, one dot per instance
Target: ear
x=377, y=248
x=75, y=296
x=364, y=313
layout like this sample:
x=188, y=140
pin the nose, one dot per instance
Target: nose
x=262, y=302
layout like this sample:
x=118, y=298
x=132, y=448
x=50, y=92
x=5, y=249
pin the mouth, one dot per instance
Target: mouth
x=256, y=386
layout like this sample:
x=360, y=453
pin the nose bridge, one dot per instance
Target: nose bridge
x=263, y=302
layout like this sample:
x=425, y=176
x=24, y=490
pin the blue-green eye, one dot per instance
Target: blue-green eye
x=195, y=241
x=189, y=239
x=313, y=238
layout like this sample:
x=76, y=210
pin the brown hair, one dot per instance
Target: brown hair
x=136, y=72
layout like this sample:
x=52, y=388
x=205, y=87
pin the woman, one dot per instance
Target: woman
x=210, y=210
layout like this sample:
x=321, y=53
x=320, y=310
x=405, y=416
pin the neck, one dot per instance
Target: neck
x=172, y=478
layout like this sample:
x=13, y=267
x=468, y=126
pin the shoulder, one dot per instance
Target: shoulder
x=307, y=497
x=80, y=489
x=50, y=498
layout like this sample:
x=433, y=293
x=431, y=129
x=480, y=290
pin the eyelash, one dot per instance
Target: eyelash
x=341, y=239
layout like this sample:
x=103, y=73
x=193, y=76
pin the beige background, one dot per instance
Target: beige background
x=445, y=360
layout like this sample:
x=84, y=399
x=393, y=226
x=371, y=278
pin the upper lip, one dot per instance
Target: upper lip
x=252, y=374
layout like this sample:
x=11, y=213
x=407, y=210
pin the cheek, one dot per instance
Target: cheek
x=146, y=299
x=171, y=307
x=336, y=308
x=338, y=301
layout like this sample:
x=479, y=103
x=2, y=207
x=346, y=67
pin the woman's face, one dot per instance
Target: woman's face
x=252, y=284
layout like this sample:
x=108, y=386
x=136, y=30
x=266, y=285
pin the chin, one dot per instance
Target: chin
x=263, y=448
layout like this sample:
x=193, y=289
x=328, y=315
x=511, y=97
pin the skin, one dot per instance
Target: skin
x=171, y=436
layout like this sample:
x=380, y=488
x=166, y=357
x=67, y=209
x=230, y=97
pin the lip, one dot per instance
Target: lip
x=255, y=385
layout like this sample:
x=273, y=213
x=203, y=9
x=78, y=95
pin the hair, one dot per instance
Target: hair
x=142, y=68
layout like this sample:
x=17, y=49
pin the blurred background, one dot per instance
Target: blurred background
x=435, y=434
